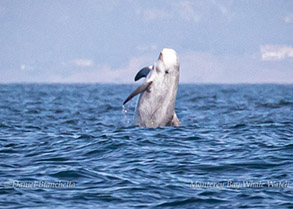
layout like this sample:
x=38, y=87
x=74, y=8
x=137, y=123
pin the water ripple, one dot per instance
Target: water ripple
x=73, y=146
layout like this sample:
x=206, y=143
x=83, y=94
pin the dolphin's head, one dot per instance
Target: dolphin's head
x=169, y=59
x=165, y=68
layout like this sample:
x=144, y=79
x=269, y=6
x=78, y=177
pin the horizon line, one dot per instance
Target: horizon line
x=124, y=83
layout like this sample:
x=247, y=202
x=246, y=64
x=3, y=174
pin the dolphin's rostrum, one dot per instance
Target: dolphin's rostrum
x=155, y=107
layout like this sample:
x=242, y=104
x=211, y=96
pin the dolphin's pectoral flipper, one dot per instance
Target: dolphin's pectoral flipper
x=137, y=91
x=175, y=121
x=142, y=73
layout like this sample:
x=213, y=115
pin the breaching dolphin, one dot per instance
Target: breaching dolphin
x=155, y=107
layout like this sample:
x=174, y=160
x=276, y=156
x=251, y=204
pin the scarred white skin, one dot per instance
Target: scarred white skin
x=155, y=107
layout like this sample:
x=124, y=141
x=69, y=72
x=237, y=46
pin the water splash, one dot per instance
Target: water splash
x=126, y=120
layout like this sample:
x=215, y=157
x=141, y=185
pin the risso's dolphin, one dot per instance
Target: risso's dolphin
x=155, y=107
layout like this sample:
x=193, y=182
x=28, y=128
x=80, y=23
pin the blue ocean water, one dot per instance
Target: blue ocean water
x=74, y=146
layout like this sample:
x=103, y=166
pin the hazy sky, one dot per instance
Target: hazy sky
x=64, y=41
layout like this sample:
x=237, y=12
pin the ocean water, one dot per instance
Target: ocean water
x=74, y=146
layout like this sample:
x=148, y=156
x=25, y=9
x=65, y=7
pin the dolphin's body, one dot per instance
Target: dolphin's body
x=155, y=107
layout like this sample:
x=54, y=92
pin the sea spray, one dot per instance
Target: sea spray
x=126, y=119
